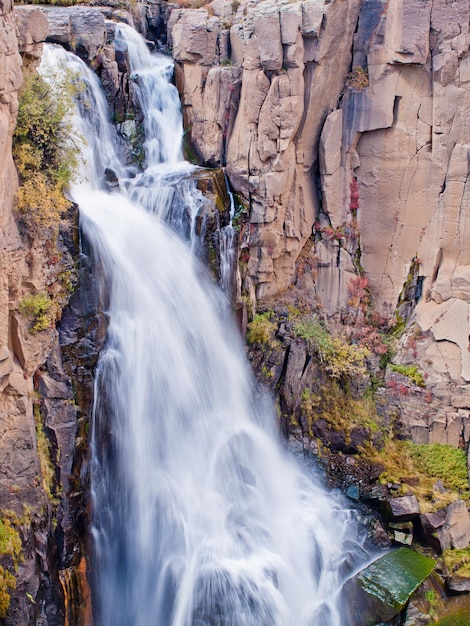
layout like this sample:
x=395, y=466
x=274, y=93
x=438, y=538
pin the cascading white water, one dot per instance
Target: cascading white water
x=165, y=187
x=199, y=516
x=227, y=250
x=96, y=137
x=158, y=100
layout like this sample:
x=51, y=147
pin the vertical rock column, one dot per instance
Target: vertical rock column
x=292, y=59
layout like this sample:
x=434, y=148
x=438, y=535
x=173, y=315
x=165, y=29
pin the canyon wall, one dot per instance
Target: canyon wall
x=345, y=124
x=21, y=492
x=39, y=419
x=255, y=98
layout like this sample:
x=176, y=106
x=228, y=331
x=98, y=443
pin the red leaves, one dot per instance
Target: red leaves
x=354, y=195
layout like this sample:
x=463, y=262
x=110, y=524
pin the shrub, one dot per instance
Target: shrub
x=40, y=203
x=339, y=358
x=44, y=152
x=358, y=78
x=39, y=306
x=458, y=561
x=261, y=330
x=338, y=408
x=7, y=583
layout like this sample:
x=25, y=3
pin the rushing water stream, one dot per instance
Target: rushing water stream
x=200, y=518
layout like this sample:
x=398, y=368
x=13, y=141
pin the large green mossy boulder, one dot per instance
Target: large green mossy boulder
x=379, y=591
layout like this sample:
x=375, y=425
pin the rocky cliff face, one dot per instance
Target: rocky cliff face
x=38, y=417
x=278, y=72
x=20, y=356
x=346, y=123
x=343, y=124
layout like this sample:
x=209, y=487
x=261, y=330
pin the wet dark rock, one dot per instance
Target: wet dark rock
x=353, y=492
x=292, y=386
x=378, y=536
x=375, y=492
x=358, y=436
x=50, y=388
x=111, y=180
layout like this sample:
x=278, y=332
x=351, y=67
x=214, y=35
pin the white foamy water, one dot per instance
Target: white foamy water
x=227, y=251
x=199, y=516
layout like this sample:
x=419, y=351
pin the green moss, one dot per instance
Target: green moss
x=189, y=151
x=399, y=328
x=411, y=372
x=39, y=306
x=261, y=330
x=418, y=467
x=10, y=547
x=460, y=618
x=392, y=578
x=447, y=463
x=10, y=542
x=44, y=456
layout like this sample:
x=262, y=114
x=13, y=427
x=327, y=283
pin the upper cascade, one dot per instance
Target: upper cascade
x=158, y=99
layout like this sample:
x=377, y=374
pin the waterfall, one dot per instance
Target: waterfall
x=165, y=187
x=96, y=138
x=227, y=250
x=200, y=518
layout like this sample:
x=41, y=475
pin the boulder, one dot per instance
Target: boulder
x=459, y=584
x=268, y=37
x=59, y=27
x=379, y=591
x=32, y=30
x=432, y=525
x=457, y=523
x=449, y=528
x=88, y=32
x=194, y=36
x=50, y=388
x=81, y=29
x=407, y=31
x=402, y=509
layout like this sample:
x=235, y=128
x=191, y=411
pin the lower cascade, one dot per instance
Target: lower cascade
x=200, y=517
